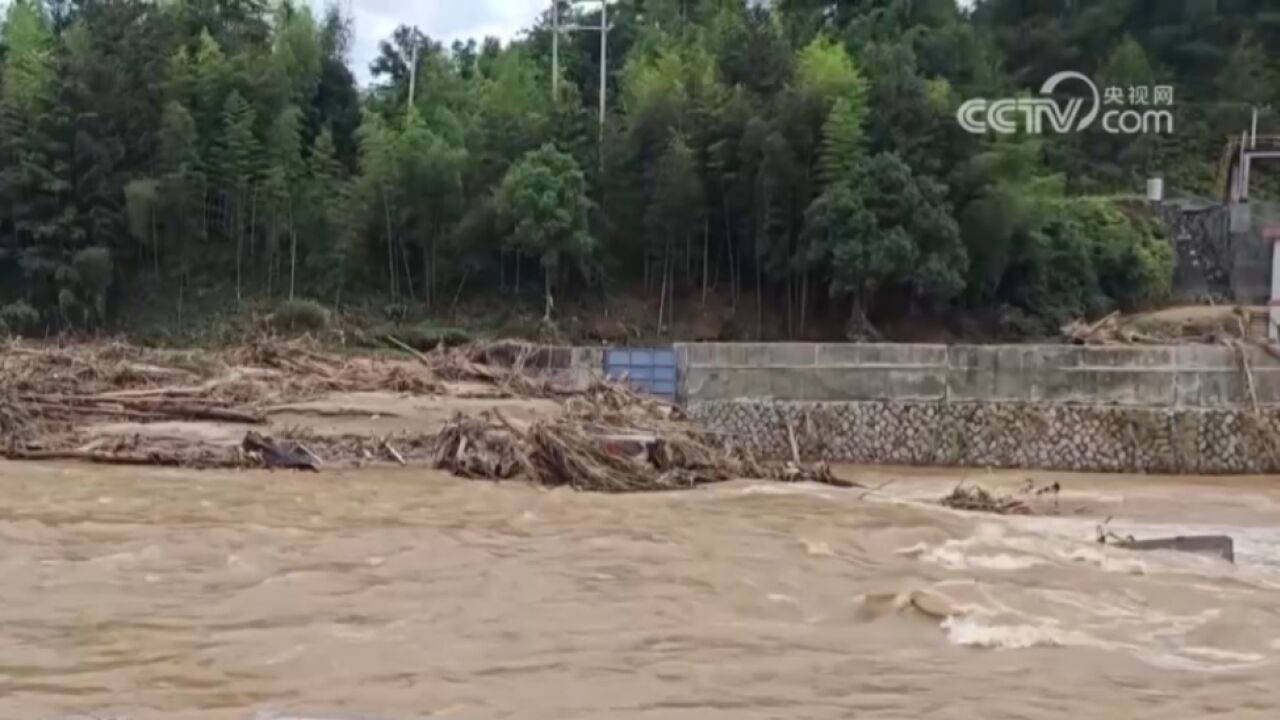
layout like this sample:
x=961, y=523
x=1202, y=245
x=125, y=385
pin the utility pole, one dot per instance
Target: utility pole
x=604, y=74
x=413, y=69
x=555, y=51
x=603, y=28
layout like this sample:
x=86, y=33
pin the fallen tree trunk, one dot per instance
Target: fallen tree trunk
x=141, y=408
x=157, y=458
x=147, y=393
x=197, y=412
x=65, y=409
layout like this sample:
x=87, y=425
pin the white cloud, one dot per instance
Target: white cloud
x=442, y=20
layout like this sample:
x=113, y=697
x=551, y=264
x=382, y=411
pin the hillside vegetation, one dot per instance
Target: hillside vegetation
x=796, y=165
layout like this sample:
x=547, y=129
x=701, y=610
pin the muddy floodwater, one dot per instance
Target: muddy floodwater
x=400, y=595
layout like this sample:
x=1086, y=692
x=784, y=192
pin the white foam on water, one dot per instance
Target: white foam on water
x=972, y=632
x=1134, y=623
x=915, y=551
x=960, y=554
x=1194, y=659
x=809, y=489
x=817, y=547
x=955, y=559
x=1104, y=559
x=285, y=716
x=1225, y=655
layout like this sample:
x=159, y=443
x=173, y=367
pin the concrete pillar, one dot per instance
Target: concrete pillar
x=1272, y=236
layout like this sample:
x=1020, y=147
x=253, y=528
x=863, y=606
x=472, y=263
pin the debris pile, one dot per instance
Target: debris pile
x=604, y=456
x=16, y=422
x=307, y=371
x=562, y=454
x=1110, y=330
x=1202, y=325
x=501, y=365
x=606, y=438
x=472, y=447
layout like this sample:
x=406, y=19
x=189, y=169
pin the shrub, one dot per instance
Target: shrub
x=95, y=269
x=20, y=318
x=1088, y=256
x=300, y=316
x=425, y=336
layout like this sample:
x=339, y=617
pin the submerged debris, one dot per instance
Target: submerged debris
x=976, y=498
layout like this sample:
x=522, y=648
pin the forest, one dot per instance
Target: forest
x=796, y=163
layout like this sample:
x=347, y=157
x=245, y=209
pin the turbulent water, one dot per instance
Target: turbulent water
x=166, y=594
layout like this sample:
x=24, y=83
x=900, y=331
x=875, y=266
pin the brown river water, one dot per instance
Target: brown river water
x=139, y=593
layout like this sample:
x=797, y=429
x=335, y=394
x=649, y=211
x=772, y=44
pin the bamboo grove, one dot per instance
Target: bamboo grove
x=796, y=159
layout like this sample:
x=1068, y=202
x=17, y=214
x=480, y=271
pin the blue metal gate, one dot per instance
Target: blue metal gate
x=652, y=370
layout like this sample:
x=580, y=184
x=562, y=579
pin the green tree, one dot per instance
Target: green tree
x=182, y=188
x=299, y=52
x=430, y=176
x=329, y=201
x=28, y=72
x=842, y=139
x=378, y=179
x=210, y=77
x=1008, y=194
x=889, y=227
x=282, y=186
x=142, y=202
x=237, y=165
x=675, y=211
x=94, y=270
x=29, y=188
x=543, y=200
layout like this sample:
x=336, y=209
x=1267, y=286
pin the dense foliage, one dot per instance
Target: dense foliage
x=798, y=159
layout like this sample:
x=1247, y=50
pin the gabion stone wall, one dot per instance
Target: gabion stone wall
x=1091, y=438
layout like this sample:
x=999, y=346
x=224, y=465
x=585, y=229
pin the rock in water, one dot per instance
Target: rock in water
x=284, y=455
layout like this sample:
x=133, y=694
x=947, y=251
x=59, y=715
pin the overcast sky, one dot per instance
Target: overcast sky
x=444, y=20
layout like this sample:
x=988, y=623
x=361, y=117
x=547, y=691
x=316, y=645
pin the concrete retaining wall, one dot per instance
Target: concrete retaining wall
x=1205, y=376
x=1184, y=409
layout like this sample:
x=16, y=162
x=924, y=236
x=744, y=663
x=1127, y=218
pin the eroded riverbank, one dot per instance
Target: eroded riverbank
x=163, y=593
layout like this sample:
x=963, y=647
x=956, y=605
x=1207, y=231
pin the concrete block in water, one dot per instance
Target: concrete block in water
x=1220, y=545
